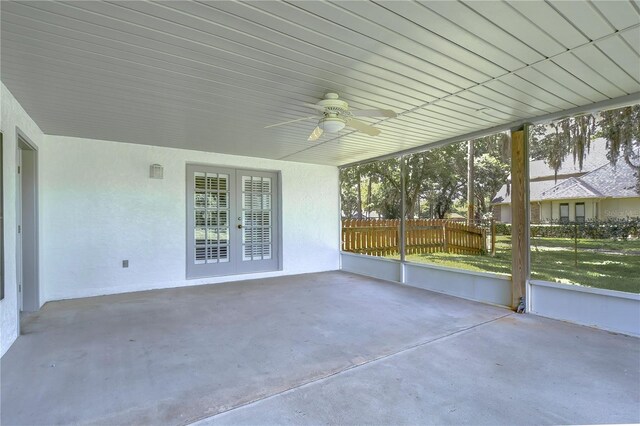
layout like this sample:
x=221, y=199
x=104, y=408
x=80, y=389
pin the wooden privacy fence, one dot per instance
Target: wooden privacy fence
x=380, y=237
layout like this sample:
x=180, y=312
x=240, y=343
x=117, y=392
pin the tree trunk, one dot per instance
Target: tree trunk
x=369, y=199
x=359, y=193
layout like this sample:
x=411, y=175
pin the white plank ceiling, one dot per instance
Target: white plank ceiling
x=211, y=75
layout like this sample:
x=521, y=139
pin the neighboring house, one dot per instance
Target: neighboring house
x=454, y=216
x=598, y=191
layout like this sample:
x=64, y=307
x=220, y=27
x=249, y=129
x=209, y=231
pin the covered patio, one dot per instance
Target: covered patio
x=171, y=213
x=321, y=348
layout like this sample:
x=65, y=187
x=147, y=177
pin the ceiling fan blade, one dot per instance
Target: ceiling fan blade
x=315, y=135
x=291, y=121
x=374, y=113
x=363, y=127
x=314, y=106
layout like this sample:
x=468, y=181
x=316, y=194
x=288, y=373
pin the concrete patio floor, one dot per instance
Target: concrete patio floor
x=319, y=348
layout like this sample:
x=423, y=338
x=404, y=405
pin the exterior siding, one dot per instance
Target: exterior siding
x=621, y=208
x=594, y=209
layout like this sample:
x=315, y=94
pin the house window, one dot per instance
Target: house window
x=564, y=213
x=580, y=212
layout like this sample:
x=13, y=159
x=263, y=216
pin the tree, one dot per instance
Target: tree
x=568, y=136
x=437, y=176
x=491, y=173
x=619, y=127
x=349, y=199
x=386, y=195
x=387, y=173
x=492, y=157
x=446, y=177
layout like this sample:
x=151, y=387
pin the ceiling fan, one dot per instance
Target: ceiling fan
x=335, y=115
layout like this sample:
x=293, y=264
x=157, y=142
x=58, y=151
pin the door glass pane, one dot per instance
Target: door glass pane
x=223, y=182
x=200, y=236
x=200, y=181
x=223, y=219
x=212, y=218
x=266, y=201
x=199, y=199
x=223, y=254
x=223, y=236
x=212, y=236
x=200, y=254
x=200, y=217
x=256, y=218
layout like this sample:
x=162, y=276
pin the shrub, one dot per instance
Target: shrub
x=593, y=229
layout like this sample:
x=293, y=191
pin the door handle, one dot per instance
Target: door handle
x=240, y=226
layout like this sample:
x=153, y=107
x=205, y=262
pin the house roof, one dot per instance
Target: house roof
x=536, y=188
x=570, y=188
x=543, y=178
x=210, y=76
x=606, y=181
x=596, y=157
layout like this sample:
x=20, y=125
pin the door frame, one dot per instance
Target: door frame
x=32, y=287
x=277, y=239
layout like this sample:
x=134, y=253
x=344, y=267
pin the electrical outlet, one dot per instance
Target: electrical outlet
x=125, y=263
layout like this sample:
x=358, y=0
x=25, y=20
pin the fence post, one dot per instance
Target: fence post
x=483, y=236
x=444, y=237
x=493, y=237
x=575, y=242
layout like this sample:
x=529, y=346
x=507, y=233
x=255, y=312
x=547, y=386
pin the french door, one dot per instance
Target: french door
x=232, y=221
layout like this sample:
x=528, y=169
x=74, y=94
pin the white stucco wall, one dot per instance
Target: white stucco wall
x=12, y=118
x=99, y=207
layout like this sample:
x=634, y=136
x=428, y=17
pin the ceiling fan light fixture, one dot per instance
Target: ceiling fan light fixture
x=335, y=115
x=332, y=124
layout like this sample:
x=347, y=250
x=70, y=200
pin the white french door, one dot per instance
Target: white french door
x=232, y=221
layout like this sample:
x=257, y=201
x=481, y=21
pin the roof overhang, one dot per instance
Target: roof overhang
x=211, y=76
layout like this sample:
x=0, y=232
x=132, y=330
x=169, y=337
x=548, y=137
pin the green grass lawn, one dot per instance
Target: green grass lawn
x=553, y=259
